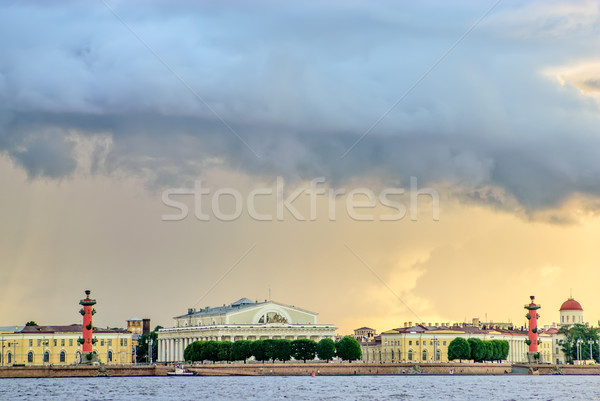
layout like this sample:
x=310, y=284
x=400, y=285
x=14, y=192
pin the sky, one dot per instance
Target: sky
x=377, y=163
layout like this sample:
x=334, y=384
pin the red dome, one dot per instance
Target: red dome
x=570, y=304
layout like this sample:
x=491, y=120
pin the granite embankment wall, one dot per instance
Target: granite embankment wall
x=323, y=369
x=82, y=371
x=289, y=369
x=559, y=369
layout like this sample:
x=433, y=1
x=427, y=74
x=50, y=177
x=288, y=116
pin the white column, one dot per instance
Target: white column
x=159, y=359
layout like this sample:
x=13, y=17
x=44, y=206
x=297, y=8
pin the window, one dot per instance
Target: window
x=46, y=356
x=31, y=343
x=438, y=355
x=430, y=342
x=410, y=343
x=55, y=342
x=109, y=343
x=70, y=342
x=125, y=342
x=417, y=342
x=9, y=358
x=425, y=355
x=410, y=355
x=102, y=343
x=30, y=356
x=63, y=356
x=110, y=356
x=444, y=342
x=62, y=342
x=39, y=343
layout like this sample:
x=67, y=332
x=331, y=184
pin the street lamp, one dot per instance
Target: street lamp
x=579, y=341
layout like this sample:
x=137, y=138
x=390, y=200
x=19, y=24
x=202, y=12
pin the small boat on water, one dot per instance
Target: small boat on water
x=180, y=371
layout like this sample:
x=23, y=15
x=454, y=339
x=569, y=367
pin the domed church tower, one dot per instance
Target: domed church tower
x=571, y=313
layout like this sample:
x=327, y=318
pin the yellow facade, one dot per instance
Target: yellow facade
x=432, y=345
x=62, y=348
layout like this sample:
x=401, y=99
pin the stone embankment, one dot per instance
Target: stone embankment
x=341, y=369
x=301, y=369
x=82, y=371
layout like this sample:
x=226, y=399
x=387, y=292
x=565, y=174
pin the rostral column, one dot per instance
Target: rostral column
x=87, y=311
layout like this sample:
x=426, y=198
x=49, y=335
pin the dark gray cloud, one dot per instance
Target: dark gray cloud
x=300, y=85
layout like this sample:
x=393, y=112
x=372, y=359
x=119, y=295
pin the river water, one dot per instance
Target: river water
x=305, y=388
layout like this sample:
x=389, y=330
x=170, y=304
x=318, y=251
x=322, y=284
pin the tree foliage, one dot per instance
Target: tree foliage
x=479, y=350
x=259, y=350
x=586, y=335
x=304, y=349
x=141, y=351
x=326, y=349
x=31, y=323
x=241, y=350
x=348, y=349
x=459, y=348
x=283, y=350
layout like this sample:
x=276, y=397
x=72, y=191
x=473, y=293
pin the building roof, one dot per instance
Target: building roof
x=570, y=304
x=11, y=329
x=72, y=328
x=364, y=328
x=238, y=305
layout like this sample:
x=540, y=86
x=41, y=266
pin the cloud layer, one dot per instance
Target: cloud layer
x=509, y=118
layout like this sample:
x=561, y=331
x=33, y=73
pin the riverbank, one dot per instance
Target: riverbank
x=82, y=371
x=347, y=369
x=301, y=369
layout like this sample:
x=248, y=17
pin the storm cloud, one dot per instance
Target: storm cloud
x=507, y=118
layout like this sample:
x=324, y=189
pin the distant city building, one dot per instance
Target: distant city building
x=424, y=343
x=364, y=333
x=58, y=345
x=241, y=320
x=571, y=313
x=138, y=326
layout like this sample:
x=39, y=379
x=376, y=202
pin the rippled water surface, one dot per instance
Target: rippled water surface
x=305, y=388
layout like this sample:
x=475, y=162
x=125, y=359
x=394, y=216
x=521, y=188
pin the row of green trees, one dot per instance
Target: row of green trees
x=273, y=349
x=142, y=351
x=586, y=336
x=478, y=350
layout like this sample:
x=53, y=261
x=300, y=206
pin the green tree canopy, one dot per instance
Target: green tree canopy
x=31, y=323
x=283, y=350
x=326, y=349
x=459, y=349
x=259, y=350
x=224, y=351
x=304, y=349
x=241, y=350
x=209, y=351
x=348, y=349
x=478, y=349
x=586, y=336
x=142, y=350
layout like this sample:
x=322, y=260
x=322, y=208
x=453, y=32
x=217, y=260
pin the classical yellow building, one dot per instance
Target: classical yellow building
x=426, y=343
x=241, y=320
x=58, y=345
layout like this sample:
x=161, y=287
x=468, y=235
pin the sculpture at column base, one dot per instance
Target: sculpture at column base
x=89, y=358
x=534, y=357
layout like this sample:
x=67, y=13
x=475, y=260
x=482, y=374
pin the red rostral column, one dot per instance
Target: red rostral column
x=87, y=313
x=532, y=315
